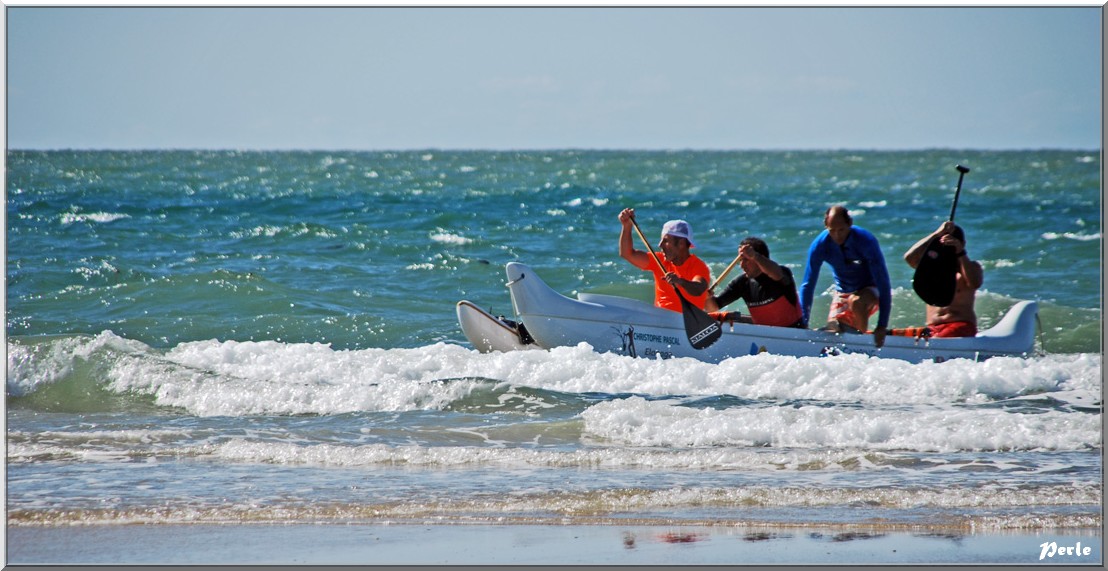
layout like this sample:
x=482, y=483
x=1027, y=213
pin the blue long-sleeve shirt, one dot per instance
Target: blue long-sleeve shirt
x=857, y=264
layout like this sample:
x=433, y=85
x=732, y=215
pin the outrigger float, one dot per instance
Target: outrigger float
x=547, y=319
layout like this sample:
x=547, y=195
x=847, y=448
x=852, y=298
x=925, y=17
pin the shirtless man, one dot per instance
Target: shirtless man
x=957, y=319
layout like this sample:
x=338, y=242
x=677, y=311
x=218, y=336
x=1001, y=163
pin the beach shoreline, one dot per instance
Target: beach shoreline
x=527, y=544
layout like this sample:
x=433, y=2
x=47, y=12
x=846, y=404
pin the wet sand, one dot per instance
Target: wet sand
x=412, y=544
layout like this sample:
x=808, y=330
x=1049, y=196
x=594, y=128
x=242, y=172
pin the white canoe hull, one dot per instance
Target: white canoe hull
x=631, y=327
x=487, y=332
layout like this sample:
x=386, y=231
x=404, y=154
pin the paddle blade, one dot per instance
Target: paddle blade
x=699, y=326
x=936, y=275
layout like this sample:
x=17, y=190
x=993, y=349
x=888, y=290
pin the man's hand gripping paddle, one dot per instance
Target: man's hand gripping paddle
x=936, y=274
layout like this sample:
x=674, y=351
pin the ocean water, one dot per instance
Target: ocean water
x=210, y=337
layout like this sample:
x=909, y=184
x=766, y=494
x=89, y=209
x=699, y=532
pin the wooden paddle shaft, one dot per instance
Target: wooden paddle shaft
x=726, y=271
x=648, y=246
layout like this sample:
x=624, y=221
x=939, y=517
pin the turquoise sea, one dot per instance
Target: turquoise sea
x=223, y=337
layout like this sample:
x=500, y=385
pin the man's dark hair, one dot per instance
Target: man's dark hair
x=758, y=244
x=959, y=234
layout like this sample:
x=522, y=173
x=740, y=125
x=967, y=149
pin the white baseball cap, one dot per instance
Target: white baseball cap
x=678, y=228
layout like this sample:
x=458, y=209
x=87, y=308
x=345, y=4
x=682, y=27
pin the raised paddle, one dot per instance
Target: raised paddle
x=936, y=274
x=701, y=329
x=726, y=271
x=961, y=174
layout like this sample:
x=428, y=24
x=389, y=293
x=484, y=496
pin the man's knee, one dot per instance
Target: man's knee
x=864, y=299
x=861, y=303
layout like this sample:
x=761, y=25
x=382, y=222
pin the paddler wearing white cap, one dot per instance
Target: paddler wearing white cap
x=681, y=268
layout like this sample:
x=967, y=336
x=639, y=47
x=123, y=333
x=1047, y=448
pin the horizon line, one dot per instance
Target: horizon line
x=551, y=149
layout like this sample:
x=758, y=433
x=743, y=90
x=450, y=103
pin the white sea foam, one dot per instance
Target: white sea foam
x=30, y=367
x=95, y=217
x=797, y=402
x=580, y=202
x=638, y=422
x=1080, y=237
x=85, y=437
x=623, y=507
x=448, y=238
x=267, y=231
x=818, y=465
x=89, y=445
x=318, y=367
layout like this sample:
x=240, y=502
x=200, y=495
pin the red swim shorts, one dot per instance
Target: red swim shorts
x=953, y=329
x=840, y=305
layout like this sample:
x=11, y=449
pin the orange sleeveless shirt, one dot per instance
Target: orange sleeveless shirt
x=664, y=296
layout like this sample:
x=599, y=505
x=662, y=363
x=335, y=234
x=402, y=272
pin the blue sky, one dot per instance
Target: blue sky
x=530, y=78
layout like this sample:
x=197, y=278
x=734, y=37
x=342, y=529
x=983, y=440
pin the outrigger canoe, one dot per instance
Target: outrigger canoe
x=547, y=319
